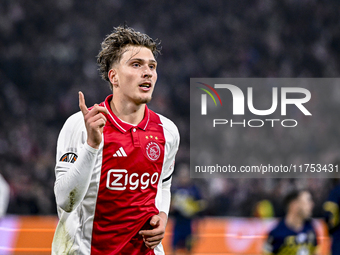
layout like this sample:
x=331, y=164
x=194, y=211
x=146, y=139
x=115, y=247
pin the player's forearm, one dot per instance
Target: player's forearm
x=166, y=197
x=73, y=182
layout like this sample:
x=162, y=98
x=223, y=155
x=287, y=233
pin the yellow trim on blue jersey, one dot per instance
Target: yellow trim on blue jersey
x=333, y=209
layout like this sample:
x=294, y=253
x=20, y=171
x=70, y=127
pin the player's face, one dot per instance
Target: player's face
x=306, y=204
x=135, y=75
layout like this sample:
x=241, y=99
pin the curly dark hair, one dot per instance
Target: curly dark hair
x=293, y=195
x=112, y=48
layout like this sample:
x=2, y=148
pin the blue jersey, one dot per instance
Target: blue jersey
x=282, y=240
x=186, y=205
x=331, y=208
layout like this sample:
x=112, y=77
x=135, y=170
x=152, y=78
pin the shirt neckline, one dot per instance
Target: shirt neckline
x=122, y=125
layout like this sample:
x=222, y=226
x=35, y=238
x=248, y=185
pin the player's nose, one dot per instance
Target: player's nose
x=146, y=73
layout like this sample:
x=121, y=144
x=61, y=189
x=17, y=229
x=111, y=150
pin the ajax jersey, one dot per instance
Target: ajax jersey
x=106, y=196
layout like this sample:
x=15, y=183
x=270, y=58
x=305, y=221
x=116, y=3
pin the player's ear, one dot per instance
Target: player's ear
x=113, y=77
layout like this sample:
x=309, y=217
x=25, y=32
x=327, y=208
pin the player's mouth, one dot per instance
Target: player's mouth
x=145, y=86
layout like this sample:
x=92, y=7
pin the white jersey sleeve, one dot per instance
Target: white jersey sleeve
x=171, y=147
x=75, y=162
x=4, y=196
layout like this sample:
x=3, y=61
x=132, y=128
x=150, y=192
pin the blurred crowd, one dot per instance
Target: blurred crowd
x=48, y=53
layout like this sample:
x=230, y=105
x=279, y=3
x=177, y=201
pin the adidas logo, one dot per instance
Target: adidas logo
x=120, y=153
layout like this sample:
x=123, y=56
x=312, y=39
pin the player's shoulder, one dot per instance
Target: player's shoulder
x=336, y=190
x=167, y=124
x=309, y=225
x=334, y=195
x=74, y=122
x=278, y=229
x=73, y=128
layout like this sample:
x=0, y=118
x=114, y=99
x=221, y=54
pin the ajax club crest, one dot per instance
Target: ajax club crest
x=153, y=151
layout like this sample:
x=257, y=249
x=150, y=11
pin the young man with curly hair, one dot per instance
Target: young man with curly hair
x=115, y=159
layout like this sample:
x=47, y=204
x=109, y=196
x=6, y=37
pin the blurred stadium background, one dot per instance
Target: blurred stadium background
x=48, y=51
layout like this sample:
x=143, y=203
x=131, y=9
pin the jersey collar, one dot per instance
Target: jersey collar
x=123, y=126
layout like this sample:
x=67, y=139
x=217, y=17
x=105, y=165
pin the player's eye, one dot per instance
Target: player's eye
x=135, y=64
x=152, y=67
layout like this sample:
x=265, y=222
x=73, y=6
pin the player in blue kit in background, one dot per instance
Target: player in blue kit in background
x=294, y=234
x=331, y=208
x=187, y=204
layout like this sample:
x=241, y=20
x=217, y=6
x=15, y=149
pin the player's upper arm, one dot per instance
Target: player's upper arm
x=171, y=147
x=71, y=137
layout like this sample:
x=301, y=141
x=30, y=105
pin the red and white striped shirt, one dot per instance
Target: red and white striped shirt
x=106, y=196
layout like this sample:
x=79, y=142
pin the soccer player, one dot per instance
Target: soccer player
x=115, y=159
x=187, y=204
x=295, y=233
x=331, y=208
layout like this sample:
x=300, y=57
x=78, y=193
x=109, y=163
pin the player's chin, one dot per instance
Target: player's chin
x=308, y=215
x=145, y=100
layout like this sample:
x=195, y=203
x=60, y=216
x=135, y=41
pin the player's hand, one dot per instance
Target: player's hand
x=154, y=236
x=94, y=121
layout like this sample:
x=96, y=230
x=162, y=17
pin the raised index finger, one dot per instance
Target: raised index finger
x=82, y=105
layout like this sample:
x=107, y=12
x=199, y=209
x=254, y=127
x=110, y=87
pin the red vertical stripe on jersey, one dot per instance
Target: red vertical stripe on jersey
x=128, y=185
